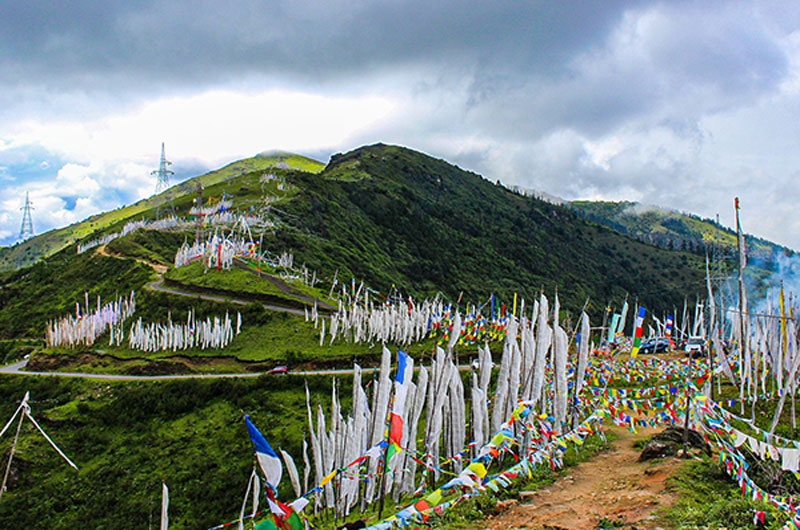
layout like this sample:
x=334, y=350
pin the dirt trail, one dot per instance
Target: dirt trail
x=613, y=486
x=103, y=251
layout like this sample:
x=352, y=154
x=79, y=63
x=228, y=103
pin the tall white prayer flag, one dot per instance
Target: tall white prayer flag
x=164, y=506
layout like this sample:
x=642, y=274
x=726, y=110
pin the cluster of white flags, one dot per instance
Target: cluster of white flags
x=208, y=211
x=285, y=260
x=763, y=346
x=346, y=439
x=533, y=368
x=399, y=323
x=303, y=275
x=167, y=223
x=214, y=333
x=219, y=249
x=227, y=218
x=769, y=356
x=83, y=328
x=217, y=252
x=220, y=218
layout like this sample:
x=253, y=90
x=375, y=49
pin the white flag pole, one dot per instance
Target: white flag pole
x=164, y=506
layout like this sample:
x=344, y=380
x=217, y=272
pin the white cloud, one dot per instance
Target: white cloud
x=114, y=155
x=213, y=126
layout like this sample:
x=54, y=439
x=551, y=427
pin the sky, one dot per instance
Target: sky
x=684, y=105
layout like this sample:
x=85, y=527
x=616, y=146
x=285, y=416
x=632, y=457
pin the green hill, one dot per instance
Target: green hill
x=43, y=245
x=386, y=215
x=399, y=217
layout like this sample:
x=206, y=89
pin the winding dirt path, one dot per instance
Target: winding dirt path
x=103, y=251
x=613, y=486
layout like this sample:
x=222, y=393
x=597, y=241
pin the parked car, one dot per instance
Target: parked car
x=695, y=347
x=656, y=345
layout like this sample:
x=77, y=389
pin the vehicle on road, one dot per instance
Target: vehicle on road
x=278, y=370
x=695, y=347
x=657, y=345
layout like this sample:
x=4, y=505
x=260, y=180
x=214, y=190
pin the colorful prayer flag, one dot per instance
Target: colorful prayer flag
x=267, y=459
x=637, y=337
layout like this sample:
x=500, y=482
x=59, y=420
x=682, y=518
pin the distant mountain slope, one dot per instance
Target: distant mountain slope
x=43, y=245
x=398, y=217
x=672, y=229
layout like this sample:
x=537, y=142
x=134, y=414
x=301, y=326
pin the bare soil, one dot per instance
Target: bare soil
x=158, y=267
x=613, y=489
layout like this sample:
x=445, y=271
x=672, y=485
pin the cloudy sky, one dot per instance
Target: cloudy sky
x=679, y=104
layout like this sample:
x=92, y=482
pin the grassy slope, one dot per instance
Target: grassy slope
x=399, y=217
x=127, y=437
x=32, y=296
x=43, y=245
x=245, y=284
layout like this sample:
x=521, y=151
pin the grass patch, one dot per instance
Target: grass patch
x=246, y=284
x=126, y=437
x=236, y=283
x=709, y=499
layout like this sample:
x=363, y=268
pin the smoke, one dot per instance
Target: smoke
x=763, y=280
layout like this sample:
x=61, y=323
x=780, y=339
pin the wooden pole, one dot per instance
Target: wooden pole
x=382, y=482
x=742, y=338
x=11, y=456
x=686, y=423
x=605, y=320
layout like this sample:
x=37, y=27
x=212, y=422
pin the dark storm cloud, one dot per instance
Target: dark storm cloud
x=206, y=40
x=521, y=68
x=616, y=99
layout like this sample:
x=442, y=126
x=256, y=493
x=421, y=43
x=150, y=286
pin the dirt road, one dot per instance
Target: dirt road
x=611, y=488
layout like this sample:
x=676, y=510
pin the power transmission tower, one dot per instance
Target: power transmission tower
x=26, y=230
x=162, y=182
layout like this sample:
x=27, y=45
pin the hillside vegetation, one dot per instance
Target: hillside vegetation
x=128, y=437
x=399, y=217
x=389, y=216
x=44, y=245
